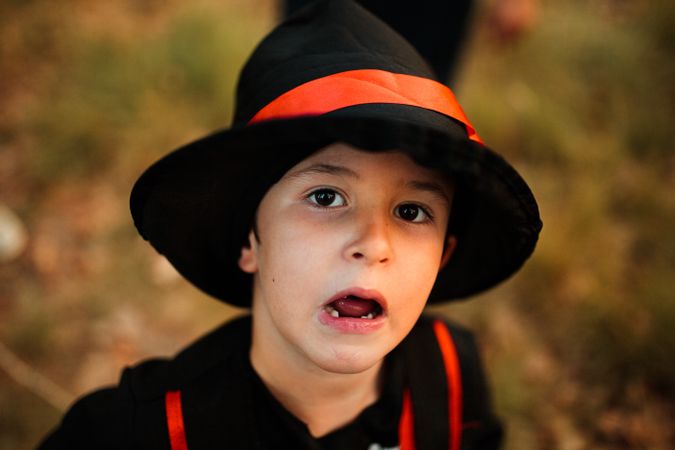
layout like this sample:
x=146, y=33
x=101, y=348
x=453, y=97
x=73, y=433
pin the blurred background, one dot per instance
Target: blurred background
x=578, y=95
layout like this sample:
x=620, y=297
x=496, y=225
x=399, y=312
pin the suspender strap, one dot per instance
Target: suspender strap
x=174, y=420
x=454, y=377
x=406, y=435
x=436, y=391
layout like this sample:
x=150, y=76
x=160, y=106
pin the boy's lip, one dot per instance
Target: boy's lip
x=355, y=325
x=369, y=294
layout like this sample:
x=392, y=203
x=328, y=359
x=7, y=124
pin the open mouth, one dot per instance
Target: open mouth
x=354, y=306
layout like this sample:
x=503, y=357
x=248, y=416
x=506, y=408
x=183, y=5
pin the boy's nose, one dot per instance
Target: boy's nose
x=371, y=243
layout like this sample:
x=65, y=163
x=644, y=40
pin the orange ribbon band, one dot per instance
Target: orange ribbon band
x=359, y=87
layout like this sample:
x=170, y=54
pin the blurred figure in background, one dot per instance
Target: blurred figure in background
x=509, y=19
x=438, y=29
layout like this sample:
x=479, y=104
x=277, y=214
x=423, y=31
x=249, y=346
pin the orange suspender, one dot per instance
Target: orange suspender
x=454, y=377
x=174, y=410
x=406, y=436
x=452, y=371
x=174, y=420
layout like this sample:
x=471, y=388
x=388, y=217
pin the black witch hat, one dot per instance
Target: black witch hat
x=332, y=72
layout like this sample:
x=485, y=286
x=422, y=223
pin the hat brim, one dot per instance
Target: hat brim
x=196, y=205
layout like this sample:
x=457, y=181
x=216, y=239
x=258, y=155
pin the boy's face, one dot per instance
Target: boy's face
x=351, y=234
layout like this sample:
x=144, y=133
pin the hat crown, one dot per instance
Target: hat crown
x=324, y=38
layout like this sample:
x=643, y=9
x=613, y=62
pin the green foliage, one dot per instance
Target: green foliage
x=97, y=97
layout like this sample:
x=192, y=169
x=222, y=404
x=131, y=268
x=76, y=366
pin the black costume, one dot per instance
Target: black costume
x=226, y=405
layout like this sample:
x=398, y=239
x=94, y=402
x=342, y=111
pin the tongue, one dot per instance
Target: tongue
x=354, y=307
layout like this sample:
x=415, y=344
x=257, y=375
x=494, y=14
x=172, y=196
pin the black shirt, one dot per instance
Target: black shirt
x=377, y=424
x=227, y=406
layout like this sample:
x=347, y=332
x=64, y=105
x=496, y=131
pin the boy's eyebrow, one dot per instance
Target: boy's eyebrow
x=431, y=187
x=325, y=168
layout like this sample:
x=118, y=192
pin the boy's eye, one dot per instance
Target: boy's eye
x=412, y=213
x=326, y=198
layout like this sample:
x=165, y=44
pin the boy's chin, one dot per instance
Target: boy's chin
x=348, y=362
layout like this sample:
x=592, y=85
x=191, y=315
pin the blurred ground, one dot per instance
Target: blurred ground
x=579, y=346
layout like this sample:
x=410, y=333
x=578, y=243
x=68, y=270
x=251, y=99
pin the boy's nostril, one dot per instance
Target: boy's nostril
x=358, y=255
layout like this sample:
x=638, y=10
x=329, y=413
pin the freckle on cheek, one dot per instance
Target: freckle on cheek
x=273, y=280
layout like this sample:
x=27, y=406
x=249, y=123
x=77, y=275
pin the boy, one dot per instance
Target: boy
x=350, y=191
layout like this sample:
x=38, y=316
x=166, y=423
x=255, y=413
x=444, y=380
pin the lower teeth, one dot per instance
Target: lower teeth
x=334, y=313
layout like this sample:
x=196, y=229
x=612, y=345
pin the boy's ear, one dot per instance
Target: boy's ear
x=450, y=245
x=248, y=260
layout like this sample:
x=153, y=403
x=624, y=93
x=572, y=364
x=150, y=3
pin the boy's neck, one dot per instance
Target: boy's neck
x=323, y=400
